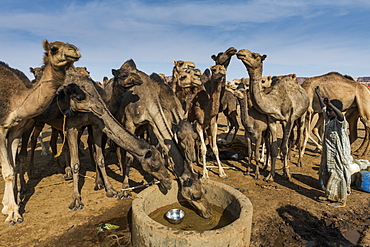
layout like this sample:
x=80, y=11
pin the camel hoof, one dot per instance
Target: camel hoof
x=11, y=223
x=125, y=197
x=99, y=187
x=224, y=176
x=19, y=220
x=111, y=194
x=67, y=178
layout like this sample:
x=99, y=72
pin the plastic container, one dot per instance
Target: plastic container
x=363, y=181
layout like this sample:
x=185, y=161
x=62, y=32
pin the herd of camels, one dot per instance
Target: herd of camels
x=163, y=125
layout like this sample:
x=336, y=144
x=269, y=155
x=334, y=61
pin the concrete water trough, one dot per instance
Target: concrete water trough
x=146, y=231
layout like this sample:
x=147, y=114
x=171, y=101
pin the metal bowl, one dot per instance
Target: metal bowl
x=175, y=216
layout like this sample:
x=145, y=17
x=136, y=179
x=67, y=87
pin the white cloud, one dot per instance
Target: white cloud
x=109, y=32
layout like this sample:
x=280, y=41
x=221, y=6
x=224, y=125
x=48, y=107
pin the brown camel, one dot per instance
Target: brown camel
x=155, y=104
x=18, y=103
x=354, y=96
x=255, y=125
x=203, y=113
x=286, y=102
x=179, y=66
x=186, y=82
x=229, y=104
x=102, y=120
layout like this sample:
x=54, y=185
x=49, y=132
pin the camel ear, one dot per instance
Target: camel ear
x=156, y=77
x=293, y=76
x=32, y=70
x=114, y=72
x=207, y=72
x=214, y=57
x=263, y=57
x=269, y=78
x=45, y=45
x=129, y=65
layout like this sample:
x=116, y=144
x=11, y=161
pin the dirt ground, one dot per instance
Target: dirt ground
x=285, y=213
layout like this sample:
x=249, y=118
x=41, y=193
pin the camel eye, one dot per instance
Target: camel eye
x=54, y=50
x=154, y=169
x=188, y=182
x=193, y=198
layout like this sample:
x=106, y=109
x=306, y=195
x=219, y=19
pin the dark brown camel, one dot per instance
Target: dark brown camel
x=155, y=104
x=103, y=120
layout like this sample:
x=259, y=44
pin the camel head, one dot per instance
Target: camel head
x=37, y=72
x=266, y=81
x=183, y=65
x=60, y=54
x=218, y=72
x=224, y=58
x=83, y=93
x=250, y=59
x=189, y=78
x=194, y=193
x=126, y=78
x=154, y=164
x=241, y=91
x=82, y=70
x=187, y=138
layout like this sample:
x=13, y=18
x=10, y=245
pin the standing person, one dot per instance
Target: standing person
x=336, y=154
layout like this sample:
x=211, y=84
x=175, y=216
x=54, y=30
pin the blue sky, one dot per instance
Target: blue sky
x=308, y=38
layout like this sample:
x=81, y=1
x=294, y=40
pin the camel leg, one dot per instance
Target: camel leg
x=257, y=155
x=10, y=207
x=125, y=163
x=249, y=147
x=44, y=150
x=235, y=123
x=300, y=133
x=99, y=160
x=14, y=137
x=308, y=119
x=72, y=138
x=285, y=148
x=273, y=151
x=366, y=123
x=213, y=134
x=22, y=156
x=33, y=141
x=203, y=149
x=263, y=148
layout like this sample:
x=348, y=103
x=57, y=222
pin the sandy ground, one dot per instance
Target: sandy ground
x=286, y=213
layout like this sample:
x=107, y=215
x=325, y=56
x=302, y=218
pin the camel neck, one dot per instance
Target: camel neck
x=215, y=95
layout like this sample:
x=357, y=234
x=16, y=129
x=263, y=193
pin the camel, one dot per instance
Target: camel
x=102, y=120
x=229, y=105
x=286, y=102
x=255, y=125
x=179, y=66
x=224, y=58
x=186, y=82
x=155, y=104
x=203, y=113
x=354, y=96
x=19, y=103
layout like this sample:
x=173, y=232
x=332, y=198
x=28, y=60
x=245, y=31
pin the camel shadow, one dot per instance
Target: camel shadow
x=310, y=181
x=310, y=228
x=49, y=169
